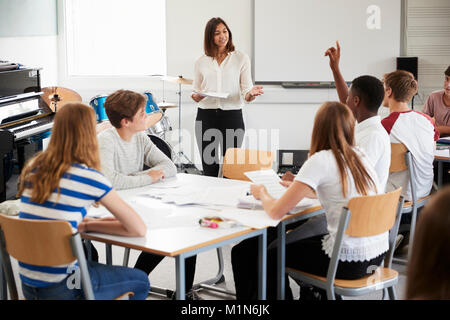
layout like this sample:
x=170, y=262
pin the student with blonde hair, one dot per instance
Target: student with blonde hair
x=335, y=171
x=61, y=183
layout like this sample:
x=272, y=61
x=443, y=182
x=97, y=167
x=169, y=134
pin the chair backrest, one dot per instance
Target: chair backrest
x=237, y=161
x=37, y=242
x=372, y=215
x=367, y=216
x=398, y=161
x=41, y=243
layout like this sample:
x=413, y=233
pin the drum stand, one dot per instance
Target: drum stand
x=180, y=156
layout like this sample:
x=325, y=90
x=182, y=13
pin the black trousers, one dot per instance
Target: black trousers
x=214, y=128
x=148, y=261
x=306, y=255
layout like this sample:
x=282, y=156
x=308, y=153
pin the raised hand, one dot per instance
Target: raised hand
x=334, y=54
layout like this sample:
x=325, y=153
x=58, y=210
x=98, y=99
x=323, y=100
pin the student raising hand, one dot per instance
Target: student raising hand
x=334, y=54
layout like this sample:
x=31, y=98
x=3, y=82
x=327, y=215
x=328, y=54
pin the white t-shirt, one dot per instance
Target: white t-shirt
x=233, y=76
x=371, y=137
x=418, y=133
x=321, y=173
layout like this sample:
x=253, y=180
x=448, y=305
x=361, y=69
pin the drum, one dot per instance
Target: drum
x=161, y=127
x=160, y=123
x=162, y=145
x=97, y=103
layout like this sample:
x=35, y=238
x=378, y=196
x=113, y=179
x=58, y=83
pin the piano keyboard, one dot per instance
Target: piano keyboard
x=31, y=128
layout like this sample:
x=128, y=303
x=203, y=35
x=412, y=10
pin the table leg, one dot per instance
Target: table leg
x=440, y=173
x=262, y=265
x=108, y=249
x=180, y=277
x=3, y=285
x=281, y=259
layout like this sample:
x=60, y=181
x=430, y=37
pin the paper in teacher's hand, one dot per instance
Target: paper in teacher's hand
x=211, y=94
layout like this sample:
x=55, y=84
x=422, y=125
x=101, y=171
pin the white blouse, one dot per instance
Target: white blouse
x=232, y=76
x=321, y=173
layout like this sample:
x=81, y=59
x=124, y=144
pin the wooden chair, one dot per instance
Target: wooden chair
x=363, y=217
x=401, y=160
x=237, y=161
x=42, y=243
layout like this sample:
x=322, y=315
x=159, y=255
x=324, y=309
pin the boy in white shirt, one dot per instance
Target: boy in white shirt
x=364, y=98
x=415, y=130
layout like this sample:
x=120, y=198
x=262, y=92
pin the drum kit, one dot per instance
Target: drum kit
x=157, y=123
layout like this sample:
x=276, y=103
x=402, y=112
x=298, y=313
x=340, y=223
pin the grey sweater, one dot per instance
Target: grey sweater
x=123, y=161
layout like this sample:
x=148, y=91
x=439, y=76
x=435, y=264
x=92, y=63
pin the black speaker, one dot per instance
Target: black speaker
x=408, y=64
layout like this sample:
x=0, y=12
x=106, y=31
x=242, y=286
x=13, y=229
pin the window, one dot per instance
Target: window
x=115, y=37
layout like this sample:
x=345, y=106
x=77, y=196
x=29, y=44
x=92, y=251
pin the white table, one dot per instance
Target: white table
x=174, y=231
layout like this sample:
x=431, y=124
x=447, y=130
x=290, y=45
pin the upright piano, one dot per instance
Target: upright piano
x=25, y=120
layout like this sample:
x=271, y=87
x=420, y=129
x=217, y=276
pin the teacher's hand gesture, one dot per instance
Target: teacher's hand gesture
x=334, y=54
x=254, y=92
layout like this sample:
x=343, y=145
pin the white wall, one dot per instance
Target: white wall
x=291, y=111
x=35, y=51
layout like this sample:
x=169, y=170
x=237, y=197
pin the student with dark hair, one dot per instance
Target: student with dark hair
x=364, y=98
x=219, y=121
x=437, y=106
x=428, y=274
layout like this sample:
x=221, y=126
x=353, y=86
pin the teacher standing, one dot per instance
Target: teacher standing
x=225, y=70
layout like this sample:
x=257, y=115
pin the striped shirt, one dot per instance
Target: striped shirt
x=79, y=187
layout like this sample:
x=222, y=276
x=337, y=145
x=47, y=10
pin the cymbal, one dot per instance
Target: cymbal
x=166, y=105
x=177, y=80
x=63, y=95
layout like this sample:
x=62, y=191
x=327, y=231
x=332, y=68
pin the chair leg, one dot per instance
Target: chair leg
x=126, y=257
x=330, y=294
x=411, y=232
x=392, y=294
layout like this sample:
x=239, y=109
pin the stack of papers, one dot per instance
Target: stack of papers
x=186, y=195
x=270, y=180
x=249, y=202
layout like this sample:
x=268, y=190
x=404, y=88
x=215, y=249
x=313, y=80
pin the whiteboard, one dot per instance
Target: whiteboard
x=291, y=37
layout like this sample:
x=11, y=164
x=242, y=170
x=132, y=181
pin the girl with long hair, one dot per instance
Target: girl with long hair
x=61, y=183
x=335, y=172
